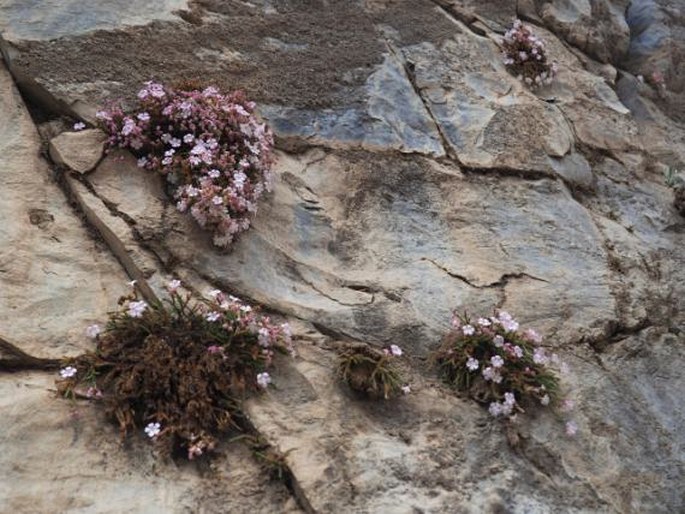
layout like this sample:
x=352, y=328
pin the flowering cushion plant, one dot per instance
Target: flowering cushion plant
x=525, y=56
x=178, y=368
x=372, y=372
x=499, y=365
x=210, y=146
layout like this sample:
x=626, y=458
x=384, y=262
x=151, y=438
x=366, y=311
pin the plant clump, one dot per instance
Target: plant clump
x=214, y=152
x=371, y=372
x=525, y=56
x=500, y=366
x=676, y=181
x=178, y=369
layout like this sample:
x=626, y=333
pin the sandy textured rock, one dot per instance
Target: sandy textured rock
x=78, y=151
x=62, y=457
x=56, y=279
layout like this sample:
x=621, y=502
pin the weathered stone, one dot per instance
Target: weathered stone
x=392, y=117
x=55, y=279
x=52, y=19
x=60, y=457
x=598, y=27
x=78, y=151
x=550, y=204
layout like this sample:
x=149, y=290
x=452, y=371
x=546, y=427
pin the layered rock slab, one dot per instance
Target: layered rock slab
x=385, y=265
x=56, y=278
x=52, y=19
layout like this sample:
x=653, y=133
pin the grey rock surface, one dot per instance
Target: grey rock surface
x=45, y=20
x=414, y=176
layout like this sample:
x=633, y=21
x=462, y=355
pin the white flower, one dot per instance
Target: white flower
x=263, y=380
x=571, y=428
x=492, y=374
x=214, y=173
x=395, y=350
x=545, y=400
x=217, y=200
x=136, y=309
x=455, y=322
x=510, y=325
x=509, y=398
x=468, y=330
x=497, y=361
x=67, y=372
x=406, y=389
x=188, y=138
x=518, y=351
x=213, y=316
x=79, y=126
x=539, y=356
x=495, y=409
x=484, y=322
x=93, y=330
x=264, y=337
x=142, y=162
x=143, y=116
x=498, y=340
x=245, y=308
x=533, y=336
x=214, y=293
x=173, y=285
x=472, y=364
x=153, y=429
x=504, y=316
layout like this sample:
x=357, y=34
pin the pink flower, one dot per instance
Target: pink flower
x=213, y=316
x=472, y=364
x=153, y=429
x=263, y=380
x=136, y=309
x=539, y=356
x=68, y=372
x=395, y=350
x=533, y=336
x=93, y=331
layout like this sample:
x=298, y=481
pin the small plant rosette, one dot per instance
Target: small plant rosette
x=214, y=152
x=371, y=372
x=500, y=365
x=525, y=56
x=177, y=370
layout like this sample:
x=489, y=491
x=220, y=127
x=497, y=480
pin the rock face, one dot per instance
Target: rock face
x=78, y=151
x=44, y=20
x=415, y=176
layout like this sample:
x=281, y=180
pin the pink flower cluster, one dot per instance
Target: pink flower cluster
x=235, y=316
x=211, y=147
x=524, y=53
x=495, y=355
